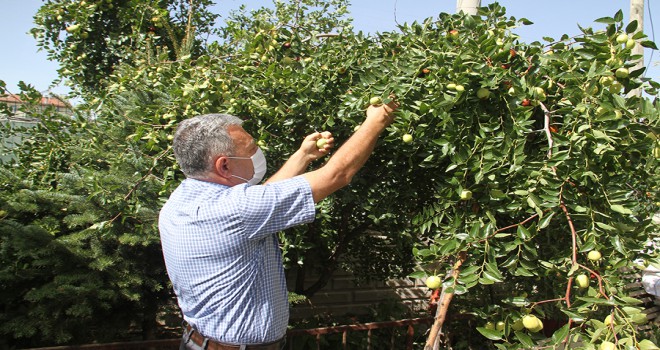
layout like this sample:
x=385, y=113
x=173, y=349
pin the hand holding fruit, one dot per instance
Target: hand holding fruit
x=317, y=145
x=382, y=111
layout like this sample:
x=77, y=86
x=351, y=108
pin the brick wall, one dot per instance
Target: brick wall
x=342, y=296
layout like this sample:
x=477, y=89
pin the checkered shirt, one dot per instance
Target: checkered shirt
x=222, y=255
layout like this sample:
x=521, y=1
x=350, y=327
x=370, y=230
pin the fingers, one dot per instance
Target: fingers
x=327, y=135
x=325, y=141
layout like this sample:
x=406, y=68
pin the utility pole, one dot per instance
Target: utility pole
x=468, y=6
x=637, y=14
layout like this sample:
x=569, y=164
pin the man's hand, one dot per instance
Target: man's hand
x=307, y=153
x=309, y=146
x=384, y=112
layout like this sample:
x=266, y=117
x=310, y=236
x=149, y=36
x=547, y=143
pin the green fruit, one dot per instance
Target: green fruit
x=73, y=28
x=517, y=325
x=483, y=93
x=616, y=87
x=376, y=101
x=407, y=138
x=606, y=345
x=321, y=142
x=500, y=325
x=608, y=320
x=451, y=86
x=460, y=88
x=622, y=38
x=433, y=282
x=539, y=93
x=532, y=323
x=630, y=44
x=489, y=325
x=466, y=194
x=606, y=80
x=656, y=152
x=582, y=281
x=594, y=255
x=622, y=72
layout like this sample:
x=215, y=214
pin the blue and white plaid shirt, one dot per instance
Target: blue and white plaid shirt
x=222, y=255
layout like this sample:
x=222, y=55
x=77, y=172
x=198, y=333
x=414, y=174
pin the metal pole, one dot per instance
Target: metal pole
x=468, y=6
x=637, y=14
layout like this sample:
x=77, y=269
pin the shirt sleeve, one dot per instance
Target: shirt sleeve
x=271, y=208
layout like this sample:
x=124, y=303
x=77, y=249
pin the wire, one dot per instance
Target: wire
x=648, y=6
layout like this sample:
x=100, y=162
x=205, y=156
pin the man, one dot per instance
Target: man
x=219, y=228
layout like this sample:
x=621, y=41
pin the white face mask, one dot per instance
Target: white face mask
x=259, y=164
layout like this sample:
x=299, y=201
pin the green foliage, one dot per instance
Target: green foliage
x=89, y=38
x=78, y=227
x=559, y=157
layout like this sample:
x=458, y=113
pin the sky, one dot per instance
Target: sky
x=21, y=59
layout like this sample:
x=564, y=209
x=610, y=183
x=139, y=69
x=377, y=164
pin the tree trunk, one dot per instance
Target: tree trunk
x=433, y=341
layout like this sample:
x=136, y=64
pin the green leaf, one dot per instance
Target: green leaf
x=620, y=209
x=632, y=26
x=486, y=281
x=605, y=227
x=523, y=232
x=517, y=301
x=525, y=339
x=560, y=335
x=605, y=20
x=647, y=345
x=629, y=300
x=417, y=274
x=490, y=333
x=649, y=44
x=545, y=221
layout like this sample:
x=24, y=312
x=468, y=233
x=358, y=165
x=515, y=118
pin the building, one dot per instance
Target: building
x=14, y=103
x=17, y=118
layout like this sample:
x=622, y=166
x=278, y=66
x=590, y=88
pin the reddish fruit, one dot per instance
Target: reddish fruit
x=526, y=102
x=286, y=45
x=512, y=52
x=553, y=128
x=426, y=71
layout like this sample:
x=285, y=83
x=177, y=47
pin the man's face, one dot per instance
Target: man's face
x=245, y=147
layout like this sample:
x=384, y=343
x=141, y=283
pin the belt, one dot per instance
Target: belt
x=210, y=344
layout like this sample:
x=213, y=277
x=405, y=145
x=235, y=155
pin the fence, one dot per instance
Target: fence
x=295, y=338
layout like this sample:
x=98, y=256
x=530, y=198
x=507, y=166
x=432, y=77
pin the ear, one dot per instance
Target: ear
x=221, y=167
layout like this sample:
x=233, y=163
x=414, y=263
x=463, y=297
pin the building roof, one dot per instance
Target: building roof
x=45, y=101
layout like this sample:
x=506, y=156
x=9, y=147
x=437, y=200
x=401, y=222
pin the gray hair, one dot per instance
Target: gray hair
x=197, y=140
